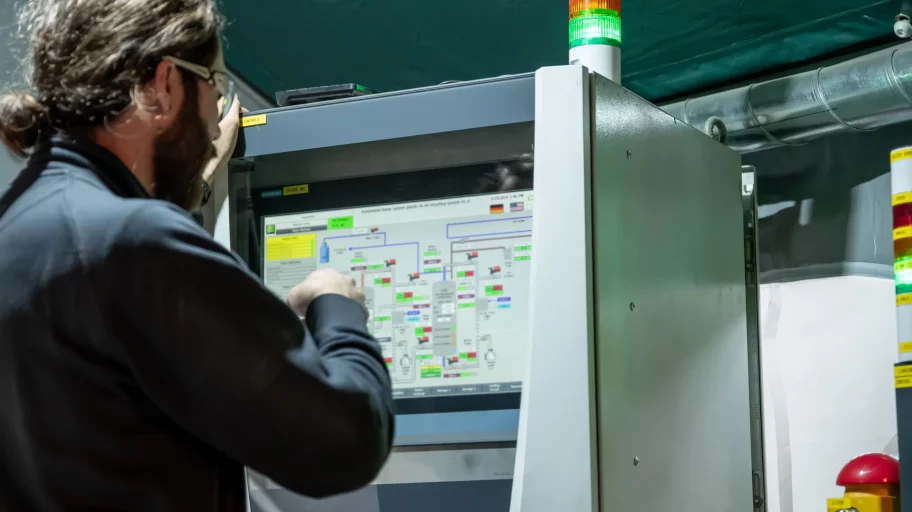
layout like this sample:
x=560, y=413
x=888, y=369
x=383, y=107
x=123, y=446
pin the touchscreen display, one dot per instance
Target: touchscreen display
x=446, y=283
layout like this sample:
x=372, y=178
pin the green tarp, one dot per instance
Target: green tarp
x=671, y=47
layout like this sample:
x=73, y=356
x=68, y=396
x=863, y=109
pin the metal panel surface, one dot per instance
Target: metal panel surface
x=672, y=366
x=449, y=464
x=457, y=427
x=429, y=464
x=556, y=456
x=464, y=106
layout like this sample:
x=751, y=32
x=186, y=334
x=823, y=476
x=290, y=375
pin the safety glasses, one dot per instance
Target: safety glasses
x=217, y=78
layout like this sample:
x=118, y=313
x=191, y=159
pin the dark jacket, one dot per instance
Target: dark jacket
x=142, y=366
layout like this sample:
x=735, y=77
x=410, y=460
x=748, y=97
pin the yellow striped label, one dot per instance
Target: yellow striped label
x=900, y=154
x=904, y=299
x=257, y=120
x=903, y=232
x=905, y=347
x=902, y=382
x=904, y=198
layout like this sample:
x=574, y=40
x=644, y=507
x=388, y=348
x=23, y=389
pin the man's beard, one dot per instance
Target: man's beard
x=180, y=154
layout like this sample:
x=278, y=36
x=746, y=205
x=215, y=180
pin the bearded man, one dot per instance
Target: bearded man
x=142, y=367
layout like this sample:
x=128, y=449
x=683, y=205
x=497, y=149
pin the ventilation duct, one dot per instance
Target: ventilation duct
x=862, y=94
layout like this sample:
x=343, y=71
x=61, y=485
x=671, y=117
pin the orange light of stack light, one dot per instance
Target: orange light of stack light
x=583, y=7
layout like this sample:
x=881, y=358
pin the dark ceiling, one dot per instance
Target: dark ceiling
x=671, y=47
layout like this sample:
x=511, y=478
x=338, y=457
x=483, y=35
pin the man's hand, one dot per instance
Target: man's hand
x=322, y=282
x=225, y=144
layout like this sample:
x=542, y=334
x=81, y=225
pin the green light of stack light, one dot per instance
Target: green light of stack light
x=595, y=29
x=902, y=270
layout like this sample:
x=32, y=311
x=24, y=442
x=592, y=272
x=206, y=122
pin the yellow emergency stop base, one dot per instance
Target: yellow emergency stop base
x=869, y=500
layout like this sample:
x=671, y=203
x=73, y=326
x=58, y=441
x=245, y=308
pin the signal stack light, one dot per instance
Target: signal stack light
x=901, y=178
x=595, y=36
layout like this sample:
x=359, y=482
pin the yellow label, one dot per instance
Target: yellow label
x=902, y=376
x=838, y=503
x=256, y=120
x=295, y=190
x=900, y=154
x=903, y=232
x=904, y=299
x=292, y=247
x=899, y=266
x=905, y=197
x=902, y=371
x=905, y=347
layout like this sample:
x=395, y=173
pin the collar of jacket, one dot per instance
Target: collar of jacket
x=75, y=152
x=86, y=154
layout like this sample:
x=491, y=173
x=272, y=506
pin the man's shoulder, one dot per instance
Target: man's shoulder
x=103, y=224
x=66, y=208
x=161, y=231
x=151, y=221
x=103, y=218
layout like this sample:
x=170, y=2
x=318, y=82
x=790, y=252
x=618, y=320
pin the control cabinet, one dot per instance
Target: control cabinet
x=549, y=240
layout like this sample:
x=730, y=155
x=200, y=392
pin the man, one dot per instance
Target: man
x=141, y=366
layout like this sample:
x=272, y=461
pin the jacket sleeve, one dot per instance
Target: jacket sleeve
x=229, y=362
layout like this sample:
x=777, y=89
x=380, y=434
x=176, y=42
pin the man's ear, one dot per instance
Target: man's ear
x=165, y=91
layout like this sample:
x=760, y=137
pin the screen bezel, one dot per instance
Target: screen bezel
x=403, y=187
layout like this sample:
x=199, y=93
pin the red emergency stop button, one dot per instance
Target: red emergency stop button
x=872, y=468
